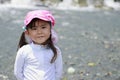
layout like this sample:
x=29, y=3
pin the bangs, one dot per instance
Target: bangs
x=32, y=23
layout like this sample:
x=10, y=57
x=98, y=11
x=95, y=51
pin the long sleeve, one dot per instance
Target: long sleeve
x=18, y=66
x=59, y=65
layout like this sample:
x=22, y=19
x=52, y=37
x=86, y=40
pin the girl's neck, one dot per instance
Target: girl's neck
x=43, y=44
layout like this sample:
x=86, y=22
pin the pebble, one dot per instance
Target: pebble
x=91, y=64
x=71, y=70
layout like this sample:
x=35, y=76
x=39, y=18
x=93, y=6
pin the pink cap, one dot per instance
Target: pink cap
x=41, y=14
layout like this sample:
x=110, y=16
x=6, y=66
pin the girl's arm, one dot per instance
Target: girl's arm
x=18, y=66
x=59, y=65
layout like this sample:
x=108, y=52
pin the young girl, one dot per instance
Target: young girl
x=38, y=58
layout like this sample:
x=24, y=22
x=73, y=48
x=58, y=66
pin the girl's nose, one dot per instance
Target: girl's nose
x=39, y=30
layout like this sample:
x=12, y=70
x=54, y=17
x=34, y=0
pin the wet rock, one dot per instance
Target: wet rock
x=118, y=78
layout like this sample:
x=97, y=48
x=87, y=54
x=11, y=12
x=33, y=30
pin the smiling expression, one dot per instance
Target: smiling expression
x=40, y=32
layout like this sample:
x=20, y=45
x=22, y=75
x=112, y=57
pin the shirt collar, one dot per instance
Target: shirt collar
x=38, y=46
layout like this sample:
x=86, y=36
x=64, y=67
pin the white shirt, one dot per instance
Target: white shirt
x=33, y=63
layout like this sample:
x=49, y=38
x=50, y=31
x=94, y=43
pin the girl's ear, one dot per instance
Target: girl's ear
x=26, y=32
x=27, y=37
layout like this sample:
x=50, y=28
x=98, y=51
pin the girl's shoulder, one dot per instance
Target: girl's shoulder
x=58, y=49
x=24, y=50
x=25, y=47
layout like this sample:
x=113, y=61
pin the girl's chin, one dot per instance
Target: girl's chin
x=42, y=43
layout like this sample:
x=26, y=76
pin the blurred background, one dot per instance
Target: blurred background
x=88, y=30
x=115, y=4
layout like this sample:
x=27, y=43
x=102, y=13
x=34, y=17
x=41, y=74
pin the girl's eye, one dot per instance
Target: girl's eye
x=43, y=27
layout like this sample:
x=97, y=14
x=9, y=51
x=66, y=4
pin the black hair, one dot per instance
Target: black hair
x=49, y=42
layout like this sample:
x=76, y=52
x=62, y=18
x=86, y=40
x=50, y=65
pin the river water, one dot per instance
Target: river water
x=89, y=40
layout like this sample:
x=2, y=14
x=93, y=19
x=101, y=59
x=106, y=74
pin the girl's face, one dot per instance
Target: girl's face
x=40, y=32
